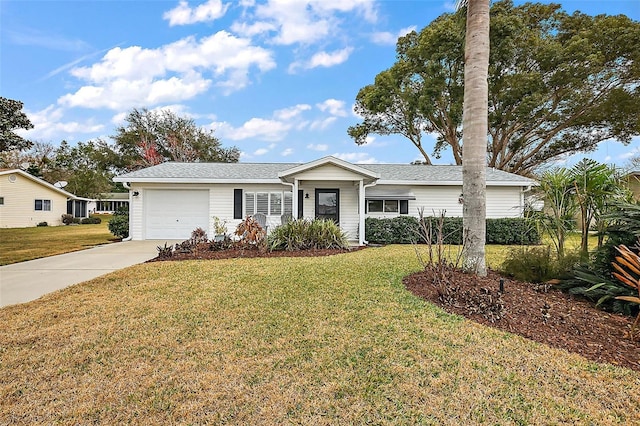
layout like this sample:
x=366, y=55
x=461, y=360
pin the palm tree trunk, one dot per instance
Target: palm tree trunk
x=475, y=126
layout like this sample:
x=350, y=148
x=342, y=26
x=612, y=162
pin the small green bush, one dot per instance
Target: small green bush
x=91, y=221
x=539, y=264
x=302, y=234
x=41, y=224
x=119, y=226
x=405, y=230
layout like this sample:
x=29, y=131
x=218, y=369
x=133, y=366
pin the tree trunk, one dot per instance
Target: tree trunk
x=475, y=126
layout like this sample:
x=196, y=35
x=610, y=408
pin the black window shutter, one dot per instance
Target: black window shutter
x=300, y=203
x=237, y=203
x=404, y=206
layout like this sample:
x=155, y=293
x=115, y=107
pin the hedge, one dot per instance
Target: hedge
x=405, y=230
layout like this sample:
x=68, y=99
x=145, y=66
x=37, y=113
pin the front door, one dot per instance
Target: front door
x=328, y=204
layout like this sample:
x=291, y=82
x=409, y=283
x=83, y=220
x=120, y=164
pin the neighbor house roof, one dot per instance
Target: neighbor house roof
x=391, y=174
x=41, y=182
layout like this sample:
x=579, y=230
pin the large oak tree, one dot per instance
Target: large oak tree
x=558, y=84
x=151, y=137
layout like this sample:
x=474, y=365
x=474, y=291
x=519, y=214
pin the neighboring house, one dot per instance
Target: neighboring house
x=633, y=182
x=109, y=203
x=172, y=199
x=26, y=200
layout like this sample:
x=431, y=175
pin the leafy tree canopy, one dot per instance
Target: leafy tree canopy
x=150, y=138
x=12, y=118
x=558, y=84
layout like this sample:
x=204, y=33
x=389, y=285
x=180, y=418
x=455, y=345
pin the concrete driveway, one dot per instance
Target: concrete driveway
x=26, y=281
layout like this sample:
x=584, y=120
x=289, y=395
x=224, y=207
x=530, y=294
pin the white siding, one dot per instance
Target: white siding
x=329, y=172
x=18, y=210
x=501, y=201
x=504, y=202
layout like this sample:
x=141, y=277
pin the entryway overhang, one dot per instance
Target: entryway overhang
x=336, y=170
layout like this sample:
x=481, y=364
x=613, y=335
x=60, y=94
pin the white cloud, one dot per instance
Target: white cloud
x=282, y=122
x=206, y=12
x=302, y=21
x=631, y=153
x=261, y=151
x=356, y=157
x=258, y=128
x=175, y=72
x=334, y=106
x=322, y=59
x=287, y=152
x=119, y=119
x=388, y=38
x=292, y=112
x=322, y=123
x=318, y=147
x=49, y=124
x=123, y=94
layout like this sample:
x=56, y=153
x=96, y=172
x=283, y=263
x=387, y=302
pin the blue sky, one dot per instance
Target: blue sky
x=276, y=78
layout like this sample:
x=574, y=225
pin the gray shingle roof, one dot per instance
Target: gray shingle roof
x=268, y=172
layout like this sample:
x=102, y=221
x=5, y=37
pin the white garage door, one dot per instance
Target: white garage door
x=174, y=214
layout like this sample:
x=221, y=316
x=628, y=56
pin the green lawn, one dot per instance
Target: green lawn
x=327, y=340
x=20, y=244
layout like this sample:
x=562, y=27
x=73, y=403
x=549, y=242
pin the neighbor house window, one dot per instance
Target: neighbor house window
x=43, y=205
x=1, y=201
x=269, y=203
x=388, y=206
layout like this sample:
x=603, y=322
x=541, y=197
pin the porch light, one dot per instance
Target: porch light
x=136, y=193
x=306, y=195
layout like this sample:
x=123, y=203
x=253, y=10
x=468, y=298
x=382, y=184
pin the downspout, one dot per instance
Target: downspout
x=294, y=199
x=127, y=186
x=362, y=209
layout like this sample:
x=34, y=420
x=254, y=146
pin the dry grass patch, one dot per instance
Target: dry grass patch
x=326, y=340
x=21, y=244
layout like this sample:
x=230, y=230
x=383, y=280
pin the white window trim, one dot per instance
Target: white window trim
x=44, y=202
x=271, y=211
x=384, y=206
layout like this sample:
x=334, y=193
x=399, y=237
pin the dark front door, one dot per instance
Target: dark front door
x=328, y=204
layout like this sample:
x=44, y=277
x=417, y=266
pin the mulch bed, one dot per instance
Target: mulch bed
x=234, y=253
x=540, y=313
x=537, y=312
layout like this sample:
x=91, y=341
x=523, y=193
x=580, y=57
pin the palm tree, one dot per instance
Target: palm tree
x=475, y=126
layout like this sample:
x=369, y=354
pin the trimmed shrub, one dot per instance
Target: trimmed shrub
x=119, y=226
x=405, y=230
x=302, y=234
x=91, y=221
x=67, y=219
x=510, y=231
x=41, y=224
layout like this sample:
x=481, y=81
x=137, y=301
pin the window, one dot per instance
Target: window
x=43, y=205
x=275, y=206
x=269, y=203
x=250, y=203
x=262, y=202
x=375, y=206
x=288, y=203
x=388, y=206
x=1, y=201
x=391, y=206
